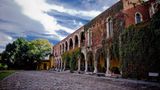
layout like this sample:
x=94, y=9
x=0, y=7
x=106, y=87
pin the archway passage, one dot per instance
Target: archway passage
x=76, y=41
x=90, y=62
x=82, y=62
x=101, y=61
x=70, y=44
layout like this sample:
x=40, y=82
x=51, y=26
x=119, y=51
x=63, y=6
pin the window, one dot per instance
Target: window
x=138, y=18
x=109, y=27
x=89, y=37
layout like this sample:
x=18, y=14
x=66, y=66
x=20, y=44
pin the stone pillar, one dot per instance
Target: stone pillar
x=95, y=66
x=86, y=65
x=95, y=63
x=73, y=43
x=64, y=47
x=61, y=65
x=55, y=64
x=64, y=65
x=108, y=63
x=79, y=64
x=79, y=42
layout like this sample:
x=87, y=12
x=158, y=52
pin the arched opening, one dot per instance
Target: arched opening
x=138, y=18
x=82, y=58
x=70, y=44
x=82, y=35
x=101, y=61
x=60, y=49
x=76, y=41
x=66, y=46
x=63, y=48
x=90, y=62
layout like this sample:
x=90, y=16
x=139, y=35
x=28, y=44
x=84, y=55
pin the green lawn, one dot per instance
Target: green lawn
x=4, y=74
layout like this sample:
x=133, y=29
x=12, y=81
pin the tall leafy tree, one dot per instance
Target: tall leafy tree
x=23, y=54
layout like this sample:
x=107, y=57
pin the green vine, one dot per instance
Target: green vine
x=70, y=58
x=140, y=49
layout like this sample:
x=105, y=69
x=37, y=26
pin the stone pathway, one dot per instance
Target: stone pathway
x=45, y=80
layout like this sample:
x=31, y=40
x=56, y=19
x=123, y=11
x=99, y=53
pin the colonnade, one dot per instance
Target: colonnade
x=87, y=64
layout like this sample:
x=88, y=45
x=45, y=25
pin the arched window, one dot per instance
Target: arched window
x=109, y=27
x=138, y=18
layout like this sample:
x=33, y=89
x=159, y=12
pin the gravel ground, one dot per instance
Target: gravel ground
x=47, y=80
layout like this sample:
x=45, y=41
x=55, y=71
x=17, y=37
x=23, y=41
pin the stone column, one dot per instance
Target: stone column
x=86, y=66
x=55, y=64
x=79, y=64
x=73, y=43
x=95, y=63
x=79, y=42
x=61, y=65
x=95, y=66
x=108, y=63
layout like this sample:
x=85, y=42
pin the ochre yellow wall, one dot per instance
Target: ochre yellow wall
x=49, y=64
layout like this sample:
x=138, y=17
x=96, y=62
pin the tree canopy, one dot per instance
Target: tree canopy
x=23, y=54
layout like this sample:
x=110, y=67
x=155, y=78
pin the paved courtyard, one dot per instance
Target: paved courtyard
x=50, y=80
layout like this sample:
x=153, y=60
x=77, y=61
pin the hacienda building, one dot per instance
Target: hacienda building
x=96, y=37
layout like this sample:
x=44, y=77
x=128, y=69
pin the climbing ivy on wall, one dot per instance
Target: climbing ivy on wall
x=140, y=49
x=70, y=58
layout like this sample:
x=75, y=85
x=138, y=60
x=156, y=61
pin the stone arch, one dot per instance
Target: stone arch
x=70, y=44
x=82, y=38
x=76, y=39
x=101, y=61
x=90, y=61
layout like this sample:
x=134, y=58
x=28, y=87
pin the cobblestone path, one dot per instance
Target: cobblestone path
x=45, y=80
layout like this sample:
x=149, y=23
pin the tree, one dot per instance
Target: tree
x=38, y=50
x=23, y=54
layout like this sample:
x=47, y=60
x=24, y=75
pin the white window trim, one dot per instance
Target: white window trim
x=136, y=18
x=107, y=24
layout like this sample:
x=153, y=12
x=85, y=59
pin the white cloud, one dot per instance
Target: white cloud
x=36, y=9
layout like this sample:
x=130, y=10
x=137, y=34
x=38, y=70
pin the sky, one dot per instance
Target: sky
x=48, y=19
